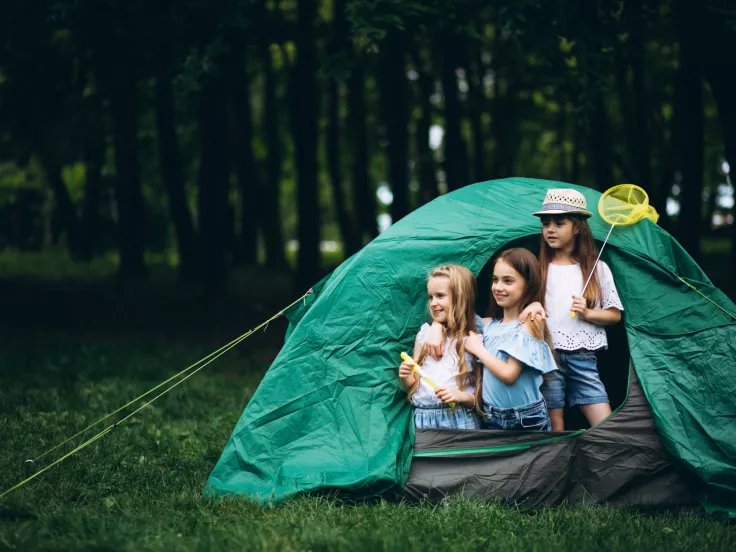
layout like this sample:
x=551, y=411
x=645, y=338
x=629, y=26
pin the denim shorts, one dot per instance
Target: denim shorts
x=578, y=375
x=445, y=417
x=532, y=417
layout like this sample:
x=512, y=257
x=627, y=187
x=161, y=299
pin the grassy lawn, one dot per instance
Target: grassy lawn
x=140, y=487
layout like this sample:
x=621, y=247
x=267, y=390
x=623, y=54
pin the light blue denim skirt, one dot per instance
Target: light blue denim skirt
x=444, y=417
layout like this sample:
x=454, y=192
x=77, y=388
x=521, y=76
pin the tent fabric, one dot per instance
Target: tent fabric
x=621, y=462
x=330, y=414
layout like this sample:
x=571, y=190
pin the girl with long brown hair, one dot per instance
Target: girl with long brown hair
x=515, y=356
x=567, y=255
x=451, y=303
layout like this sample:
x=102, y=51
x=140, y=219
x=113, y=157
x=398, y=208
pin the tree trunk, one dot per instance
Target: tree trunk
x=273, y=236
x=577, y=149
x=627, y=111
x=131, y=212
x=477, y=103
x=634, y=99
x=689, y=126
x=173, y=179
x=395, y=103
x=455, y=154
x=364, y=196
x=246, y=168
x=564, y=169
x=503, y=120
x=213, y=184
x=426, y=169
x=334, y=160
x=95, y=145
x=600, y=145
x=642, y=148
x=303, y=92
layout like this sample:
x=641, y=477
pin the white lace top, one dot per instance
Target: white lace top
x=570, y=334
x=442, y=372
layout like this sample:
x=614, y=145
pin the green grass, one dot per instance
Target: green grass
x=140, y=488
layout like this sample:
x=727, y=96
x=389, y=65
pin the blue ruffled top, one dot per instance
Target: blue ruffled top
x=511, y=340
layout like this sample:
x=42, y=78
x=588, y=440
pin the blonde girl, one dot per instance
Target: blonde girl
x=451, y=303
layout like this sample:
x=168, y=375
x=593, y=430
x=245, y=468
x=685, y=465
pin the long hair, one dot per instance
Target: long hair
x=460, y=318
x=526, y=264
x=583, y=252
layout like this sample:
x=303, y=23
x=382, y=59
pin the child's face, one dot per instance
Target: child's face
x=440, y=301
x=508, y=285
x=559, y=232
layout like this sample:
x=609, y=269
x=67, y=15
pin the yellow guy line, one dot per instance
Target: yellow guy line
x=212, y=357
x=696, y=290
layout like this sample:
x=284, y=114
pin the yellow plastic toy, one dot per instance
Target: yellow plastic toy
x=422, y=376
x=622, y=205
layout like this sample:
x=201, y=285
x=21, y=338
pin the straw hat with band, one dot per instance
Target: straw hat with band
x=563, y=201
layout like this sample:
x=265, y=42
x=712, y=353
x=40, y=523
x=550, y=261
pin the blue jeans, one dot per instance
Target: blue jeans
x=532, y=417
x=577, y=378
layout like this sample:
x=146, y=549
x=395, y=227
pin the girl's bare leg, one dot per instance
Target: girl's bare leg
x=594, y=413
x=556, y=416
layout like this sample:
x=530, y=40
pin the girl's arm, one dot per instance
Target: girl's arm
x=601, y=317
x=434, y=344
x=407, y=375
x=455, y=396
x=508, y=372
x=535, y=311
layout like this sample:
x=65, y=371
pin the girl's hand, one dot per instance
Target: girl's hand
x=580, y=306
x=434, y=344
x=406, y=372
x=535, y=311
x=447, y=395
x=474, y=344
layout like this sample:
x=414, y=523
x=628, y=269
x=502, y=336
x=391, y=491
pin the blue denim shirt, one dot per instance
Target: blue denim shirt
x=511, y=340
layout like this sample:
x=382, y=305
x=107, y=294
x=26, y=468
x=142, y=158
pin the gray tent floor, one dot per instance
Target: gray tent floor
x=620, y=462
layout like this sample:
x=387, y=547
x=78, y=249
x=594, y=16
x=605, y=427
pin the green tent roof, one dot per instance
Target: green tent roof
x=329, y=412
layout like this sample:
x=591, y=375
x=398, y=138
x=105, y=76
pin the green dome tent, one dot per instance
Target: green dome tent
x=329, y=413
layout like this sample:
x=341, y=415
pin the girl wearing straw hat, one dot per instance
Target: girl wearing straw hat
x=575, y=320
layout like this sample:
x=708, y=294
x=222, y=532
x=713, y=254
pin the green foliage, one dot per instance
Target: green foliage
x=140, y=487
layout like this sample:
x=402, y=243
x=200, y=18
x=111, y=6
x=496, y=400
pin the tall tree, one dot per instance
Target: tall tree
x=477, y=104
x=364, y=197
x=455, y=152
x=122, y=91
x=595, y=68
x=304, y=116
x=95, y=148
x=271, y=215
x=109, y=31
x=214, y=172
x=637, y=53
x=395, y=108
x=426, y=169
x=173, y=179
x=248, y=172
x=332, y=144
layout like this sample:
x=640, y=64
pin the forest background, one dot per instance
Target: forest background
x=283, y=136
